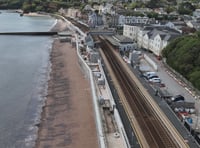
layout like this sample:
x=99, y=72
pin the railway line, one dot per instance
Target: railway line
x=84, y=28
x=153, y=129
x=150, y=130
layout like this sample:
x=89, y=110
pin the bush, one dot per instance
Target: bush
x=183, y=55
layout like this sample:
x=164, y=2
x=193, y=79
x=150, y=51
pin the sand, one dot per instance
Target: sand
x=68, y=116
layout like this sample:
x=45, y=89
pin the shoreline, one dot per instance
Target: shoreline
x=67, y=118
x=34, y=14
x=59, y=25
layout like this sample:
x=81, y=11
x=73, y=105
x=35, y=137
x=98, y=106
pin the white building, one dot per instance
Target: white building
x=106, y=9
x=160, y=38
x=153, y=38
x=194, y=24
x=141, y=33
x=131, y=19
x=131, y=31
x=196, y=13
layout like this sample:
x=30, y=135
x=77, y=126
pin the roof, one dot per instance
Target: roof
x=171, y=37
x=162, y=36
x=112, y=40
x=123, y=39
x=88, y=39
x=165, y=33
x=136, y=24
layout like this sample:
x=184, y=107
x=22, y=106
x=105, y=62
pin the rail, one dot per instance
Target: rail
x=155, y=133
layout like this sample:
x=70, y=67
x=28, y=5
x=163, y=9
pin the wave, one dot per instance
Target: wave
x=54, y=24
x=35, y=109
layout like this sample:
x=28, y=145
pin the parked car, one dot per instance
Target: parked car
x=146, y=74
x=152, y=77
x=155, y=80
x=178, y=98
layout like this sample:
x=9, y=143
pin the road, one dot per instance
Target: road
x=174, y=88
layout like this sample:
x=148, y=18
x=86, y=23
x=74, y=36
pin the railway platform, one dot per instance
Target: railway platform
x=111, y=122
x=112, y=126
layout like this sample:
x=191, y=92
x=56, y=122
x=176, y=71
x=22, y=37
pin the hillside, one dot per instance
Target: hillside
x=183, y=55
x=38, y=5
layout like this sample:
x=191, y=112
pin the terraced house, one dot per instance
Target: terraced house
x=150, y=37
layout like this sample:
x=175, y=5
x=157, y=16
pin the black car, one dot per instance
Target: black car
x=178, y=98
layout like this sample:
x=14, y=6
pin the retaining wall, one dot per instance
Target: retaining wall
x=88, y=73
x=151, y=62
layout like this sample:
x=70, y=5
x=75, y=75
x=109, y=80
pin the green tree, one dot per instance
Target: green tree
x=155, y=4
x=170, y=9
x=186, y=8
x=152, y=15
x=183, y=54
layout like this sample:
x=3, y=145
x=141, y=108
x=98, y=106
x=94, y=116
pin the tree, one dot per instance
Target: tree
x=169, y=9
x=186, y=8
x=152, y=15
x=154, y=4
x=26, y=7
x=183, y=55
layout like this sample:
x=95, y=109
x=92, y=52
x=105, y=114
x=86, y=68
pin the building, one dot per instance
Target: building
x=196, y=13
x=106, y=9
x=131, y=20
x=94, y=20
x=177, y=25
x=125, y=43
x=132, y=31
x=150, y=37
x=194, y=24
x=89, y=41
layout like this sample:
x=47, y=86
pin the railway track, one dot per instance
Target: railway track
x=79, y=25
x=154, y=131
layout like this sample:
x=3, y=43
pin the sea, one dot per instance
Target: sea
x=24, y=73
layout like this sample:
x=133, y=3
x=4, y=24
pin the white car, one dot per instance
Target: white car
x=149, y=73
x=155, y=80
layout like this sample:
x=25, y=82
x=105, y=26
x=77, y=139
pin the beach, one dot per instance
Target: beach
x=68, y=117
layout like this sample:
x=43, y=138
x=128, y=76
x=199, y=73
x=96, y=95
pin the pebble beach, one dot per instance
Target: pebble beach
x=68, y=118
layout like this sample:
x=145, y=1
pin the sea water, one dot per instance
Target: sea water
x=24, y=70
